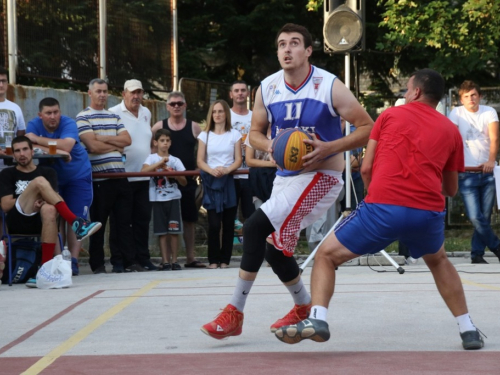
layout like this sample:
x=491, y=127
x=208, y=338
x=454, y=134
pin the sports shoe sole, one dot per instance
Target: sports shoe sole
x=472, y=340
x=236, y=332
x=305, y=330
x=92, y=230
x=277, y=325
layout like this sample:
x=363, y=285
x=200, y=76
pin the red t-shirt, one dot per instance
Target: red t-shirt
x=415, y=143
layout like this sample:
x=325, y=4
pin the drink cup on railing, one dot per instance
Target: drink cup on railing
x=8, y=145
x=52, y=147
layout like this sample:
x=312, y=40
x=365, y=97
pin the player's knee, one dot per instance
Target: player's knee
x=286, y=268
x=333, y=255
x=48, y=212
x=327, y=255
x=251, y=227
x=437, y=258
x=40, y=183
x=256, y=228
x=255, y=231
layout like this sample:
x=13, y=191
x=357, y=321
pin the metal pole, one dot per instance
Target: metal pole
x=311, y=256
x=175, y=41
x=12, y=39
x=347, y=182
x=102, y=39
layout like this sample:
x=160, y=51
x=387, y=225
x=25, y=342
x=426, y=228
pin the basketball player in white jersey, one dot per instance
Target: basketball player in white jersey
x=304, y=96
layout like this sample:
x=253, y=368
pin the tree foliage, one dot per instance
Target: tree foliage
x=234, y=39
x=458, y=38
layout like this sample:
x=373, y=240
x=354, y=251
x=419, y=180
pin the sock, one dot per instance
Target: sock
x=299, y=293
x=318, y=312
x=65, y=212
x=465, y=323
x=240, y=294
x=47, y=251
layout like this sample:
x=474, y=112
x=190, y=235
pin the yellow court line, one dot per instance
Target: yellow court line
x=47, y=360
x=484, y=286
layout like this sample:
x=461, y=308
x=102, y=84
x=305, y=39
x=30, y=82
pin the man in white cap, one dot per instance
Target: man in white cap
x=137, y=121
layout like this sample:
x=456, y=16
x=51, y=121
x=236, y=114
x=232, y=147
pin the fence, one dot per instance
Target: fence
x=60, y=40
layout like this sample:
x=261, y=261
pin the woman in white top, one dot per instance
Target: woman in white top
x=219, y=154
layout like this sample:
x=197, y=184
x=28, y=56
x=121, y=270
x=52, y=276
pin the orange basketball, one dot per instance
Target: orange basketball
x=289, y=148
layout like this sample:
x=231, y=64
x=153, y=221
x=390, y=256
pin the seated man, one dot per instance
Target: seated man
x=28, y=196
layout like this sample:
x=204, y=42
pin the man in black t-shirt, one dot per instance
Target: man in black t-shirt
x=28, y=196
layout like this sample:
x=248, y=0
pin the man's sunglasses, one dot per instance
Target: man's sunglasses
x=176, y=104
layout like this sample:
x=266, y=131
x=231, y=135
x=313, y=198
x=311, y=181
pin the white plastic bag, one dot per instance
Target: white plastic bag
x=54, y=274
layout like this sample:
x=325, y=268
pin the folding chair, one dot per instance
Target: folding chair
x=9, y=237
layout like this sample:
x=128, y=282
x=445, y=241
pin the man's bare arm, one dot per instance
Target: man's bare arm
x=367, y=166
x=253, y=162
x=349, y=109
x=493, y=133
x=260, y=123
x=196, y=129
x=94, y=146
x=65, y=144
x=7, y=203
x=121, y=140
x=450, y=183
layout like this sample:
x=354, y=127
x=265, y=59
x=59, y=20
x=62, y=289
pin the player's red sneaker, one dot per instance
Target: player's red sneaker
x=227, y=323
x=297, y=314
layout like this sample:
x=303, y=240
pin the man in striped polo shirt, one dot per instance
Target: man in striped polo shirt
x=104, y=136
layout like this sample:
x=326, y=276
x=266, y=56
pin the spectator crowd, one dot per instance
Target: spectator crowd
x=123, y=139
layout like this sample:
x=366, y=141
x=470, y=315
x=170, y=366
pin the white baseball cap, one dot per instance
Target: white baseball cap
x=132, y=85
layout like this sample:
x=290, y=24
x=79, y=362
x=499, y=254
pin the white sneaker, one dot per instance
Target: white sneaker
x=411, y=261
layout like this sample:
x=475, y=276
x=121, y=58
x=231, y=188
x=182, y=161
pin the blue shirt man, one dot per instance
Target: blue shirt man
x=79, y=166
x=74, y=176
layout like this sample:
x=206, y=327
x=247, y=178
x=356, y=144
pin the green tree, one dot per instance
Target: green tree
x=459, y=38
x=224, y=41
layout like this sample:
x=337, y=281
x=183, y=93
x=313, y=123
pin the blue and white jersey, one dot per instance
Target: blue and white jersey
x=308, y=106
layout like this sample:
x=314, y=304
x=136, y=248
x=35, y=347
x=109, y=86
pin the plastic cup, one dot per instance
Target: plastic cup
x=8, y=145
x=52, y=147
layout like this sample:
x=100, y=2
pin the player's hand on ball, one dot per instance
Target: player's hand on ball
x=321, y=151
x=271, y=159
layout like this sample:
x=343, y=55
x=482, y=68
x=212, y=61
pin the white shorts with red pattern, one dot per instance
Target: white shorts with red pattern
x=298, y=201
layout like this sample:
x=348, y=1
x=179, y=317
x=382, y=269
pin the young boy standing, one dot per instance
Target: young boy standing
x=165, y=195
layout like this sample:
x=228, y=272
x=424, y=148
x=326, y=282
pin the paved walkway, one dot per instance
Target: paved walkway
x=148, y=323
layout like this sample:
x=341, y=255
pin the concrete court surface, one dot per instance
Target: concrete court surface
x=149, y=323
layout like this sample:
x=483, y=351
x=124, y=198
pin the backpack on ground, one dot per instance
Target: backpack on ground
x=26, y=258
